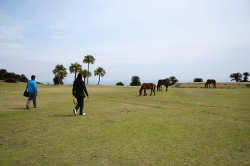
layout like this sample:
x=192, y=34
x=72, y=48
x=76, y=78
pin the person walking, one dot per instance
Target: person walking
x=79, y=90
x=33, y=92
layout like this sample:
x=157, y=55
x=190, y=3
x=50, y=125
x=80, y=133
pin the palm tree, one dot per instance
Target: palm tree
x=235, y=76
x=61, y=75
x=74, y=68
x=246, y=75
x=89, y=59
x=85, y=73
x=61, y=72
x=99, y=72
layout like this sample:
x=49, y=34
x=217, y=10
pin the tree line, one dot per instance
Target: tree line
x=60, y=71
x=135, y=81
x=11, y=76
x=234, y=77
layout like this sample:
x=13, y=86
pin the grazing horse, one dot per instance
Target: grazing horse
x=210, y=81
x=145, y=86
x=161, y=82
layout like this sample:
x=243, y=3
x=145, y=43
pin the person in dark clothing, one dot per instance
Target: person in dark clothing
x=78, y=91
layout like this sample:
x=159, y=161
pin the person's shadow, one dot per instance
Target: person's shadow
x=64, y=115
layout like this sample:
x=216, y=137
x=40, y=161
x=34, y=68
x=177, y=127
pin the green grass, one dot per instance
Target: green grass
x=184, y=126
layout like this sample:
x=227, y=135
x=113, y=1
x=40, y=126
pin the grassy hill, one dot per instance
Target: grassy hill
x=183, y=126
x=224, y=85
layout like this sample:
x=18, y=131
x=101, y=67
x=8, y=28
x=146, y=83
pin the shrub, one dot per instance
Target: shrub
x=55, y=80
x=10, y=77
x=120, y=83
x=11, y=80
x=23, y=78
x=198, y=80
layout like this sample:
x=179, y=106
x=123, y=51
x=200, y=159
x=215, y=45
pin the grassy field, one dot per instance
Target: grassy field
x=184, y=126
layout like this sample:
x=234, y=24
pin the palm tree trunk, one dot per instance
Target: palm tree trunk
x=88, y=77
x=99, y=80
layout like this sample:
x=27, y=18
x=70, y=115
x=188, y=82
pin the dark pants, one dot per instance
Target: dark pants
x=80, y=103
x=32, y=96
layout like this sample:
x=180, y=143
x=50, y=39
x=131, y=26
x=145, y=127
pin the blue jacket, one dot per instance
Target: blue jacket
x=32, y=86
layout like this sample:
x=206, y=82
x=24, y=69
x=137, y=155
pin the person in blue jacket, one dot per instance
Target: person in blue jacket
x=33, y=92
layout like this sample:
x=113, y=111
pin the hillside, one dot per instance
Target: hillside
x=225, y=85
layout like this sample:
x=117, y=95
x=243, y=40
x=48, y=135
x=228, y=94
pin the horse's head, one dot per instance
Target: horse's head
x=140, y=92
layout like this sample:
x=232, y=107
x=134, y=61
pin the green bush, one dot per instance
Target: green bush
x=198, y=80
x=120, y=83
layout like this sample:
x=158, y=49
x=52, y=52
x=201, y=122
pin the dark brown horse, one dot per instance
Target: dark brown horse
x=145, y=86
x=210, y=81
x=161, y=82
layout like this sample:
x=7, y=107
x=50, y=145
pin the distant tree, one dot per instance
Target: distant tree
x=3, y=73
x=245, y=78
x=61, y=72
x=172, y=80
x=85, y=73
x=10, y=77
x=74, y=68
x=23, y=78
x=120, y=83
x=100, y=72
x=135, y=81
x=235, y=77
x=198, y=80
x=89, y=59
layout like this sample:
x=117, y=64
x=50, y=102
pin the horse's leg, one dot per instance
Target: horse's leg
x=145, y=94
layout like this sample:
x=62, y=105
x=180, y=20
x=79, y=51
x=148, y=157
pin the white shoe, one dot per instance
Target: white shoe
x=82, y=114
x=74, y=111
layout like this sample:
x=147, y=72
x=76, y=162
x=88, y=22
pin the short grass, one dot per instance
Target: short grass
x=184, y=126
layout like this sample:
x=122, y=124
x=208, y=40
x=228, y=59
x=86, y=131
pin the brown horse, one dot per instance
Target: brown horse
x=210, y=81
x=161, y=82
x=145, y=86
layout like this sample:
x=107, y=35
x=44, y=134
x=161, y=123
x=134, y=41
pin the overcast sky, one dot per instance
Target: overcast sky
x=152, y=39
